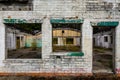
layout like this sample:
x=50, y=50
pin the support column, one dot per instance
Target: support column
x=23, y=41
x=60, y=42
x=87, y=35
x=14, y=40
x=20, y=41
x=2, y=43
x=117, y=49
x=46, y=38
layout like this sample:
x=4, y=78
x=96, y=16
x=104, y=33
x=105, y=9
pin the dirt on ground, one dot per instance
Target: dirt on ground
x=102, y=60
x=94, y=77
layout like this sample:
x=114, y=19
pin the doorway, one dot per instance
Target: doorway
x=103, y=49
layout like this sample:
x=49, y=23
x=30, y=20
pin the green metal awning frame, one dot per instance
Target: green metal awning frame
x=14, y=21
x=66, y=20
x=75, y=54
x=11, y=20
x=105, y=23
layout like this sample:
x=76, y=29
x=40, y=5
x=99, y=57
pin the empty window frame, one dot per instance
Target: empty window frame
x=67, y=37
x=24, y=41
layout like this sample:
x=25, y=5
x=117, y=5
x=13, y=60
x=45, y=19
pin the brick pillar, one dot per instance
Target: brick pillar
x=117, y=49
x=2, y=43
x=87, y=34
x=46, y=38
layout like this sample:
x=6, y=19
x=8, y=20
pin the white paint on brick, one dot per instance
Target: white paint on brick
x=56, y=9
x=87, y=44
x=2, y=43
x=46, y=38
x=117, y=49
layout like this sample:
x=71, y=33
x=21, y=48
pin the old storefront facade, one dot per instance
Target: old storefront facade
x=47, y=13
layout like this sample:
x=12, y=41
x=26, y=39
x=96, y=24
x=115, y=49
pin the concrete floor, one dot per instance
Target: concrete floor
x=24, y=53
x=102, y=61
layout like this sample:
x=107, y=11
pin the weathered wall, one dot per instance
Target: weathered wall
x=117, y=49
x=69, y=8
x=46, y=38
x=55, y=9
x=73, y=8
x=100, y=41
x=11, y=41
x=33, y=39
x=2, y=43
x=87, y=44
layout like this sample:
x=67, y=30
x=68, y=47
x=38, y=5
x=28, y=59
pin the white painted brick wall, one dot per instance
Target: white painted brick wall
x=61, y=9
x=2, y=43
x=117, y=49
x=46, y=38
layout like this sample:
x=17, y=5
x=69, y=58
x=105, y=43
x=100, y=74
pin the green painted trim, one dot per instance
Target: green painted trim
x=66, y=20
x=75, y=54
x=22, y=21
x=105, y=24
x=40, y=21
x=14, y=21
x=110, y=24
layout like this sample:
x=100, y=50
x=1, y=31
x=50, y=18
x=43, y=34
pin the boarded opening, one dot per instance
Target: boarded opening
x=66, y=37
x=23, y=41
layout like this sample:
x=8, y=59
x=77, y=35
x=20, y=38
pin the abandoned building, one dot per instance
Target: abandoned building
x=59, y=37
x=103, y=39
